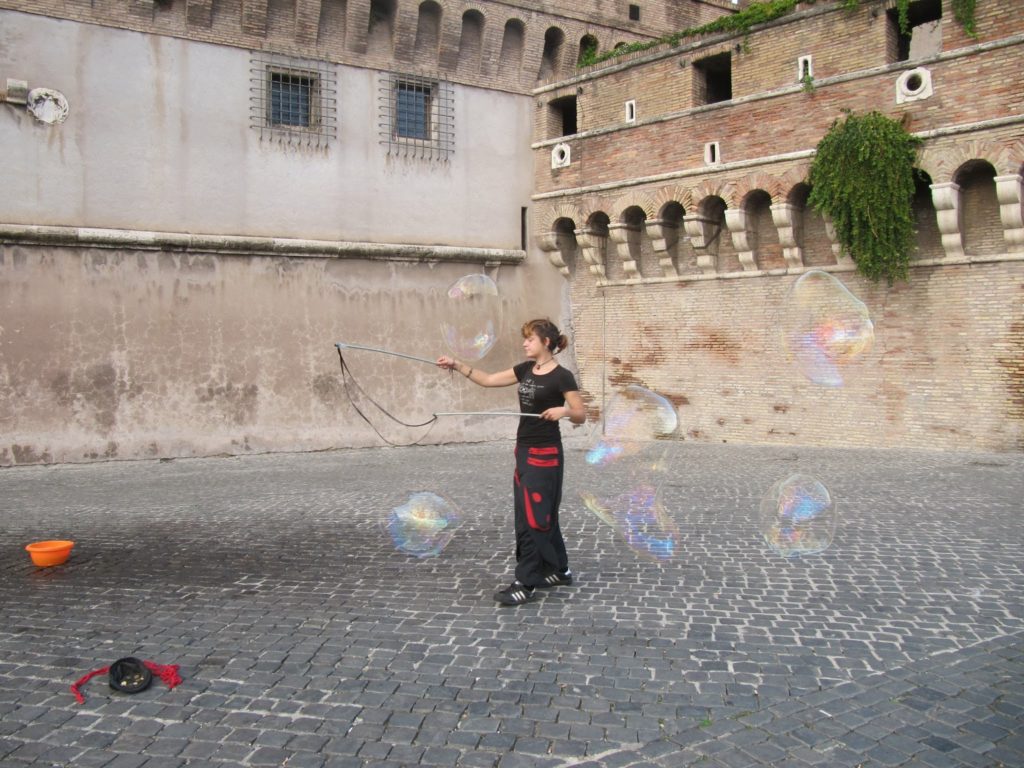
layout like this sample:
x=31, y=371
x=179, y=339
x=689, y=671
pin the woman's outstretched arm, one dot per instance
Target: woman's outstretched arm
x=504, y=378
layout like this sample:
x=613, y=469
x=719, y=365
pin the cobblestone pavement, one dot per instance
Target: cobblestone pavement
x=306, y=639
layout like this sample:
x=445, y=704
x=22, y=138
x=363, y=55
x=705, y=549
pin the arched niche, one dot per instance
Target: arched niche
x=471, y=42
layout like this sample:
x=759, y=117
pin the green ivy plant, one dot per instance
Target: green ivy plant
x=762, y=12
x=963, y=12
x=863, y=179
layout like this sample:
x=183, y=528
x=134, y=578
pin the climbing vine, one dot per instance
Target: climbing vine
x=862, y=179
x=760, y=13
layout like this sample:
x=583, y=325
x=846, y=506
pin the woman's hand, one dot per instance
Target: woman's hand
x=554, y=414
x=448, y=363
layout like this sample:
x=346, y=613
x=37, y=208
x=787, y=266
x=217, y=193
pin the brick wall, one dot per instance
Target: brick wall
x=946, y=371
x=947, y=368
x=330, y=31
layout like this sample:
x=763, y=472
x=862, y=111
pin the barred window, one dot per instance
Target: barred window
x=412, y=112
x=293, y=100
x=417, y=116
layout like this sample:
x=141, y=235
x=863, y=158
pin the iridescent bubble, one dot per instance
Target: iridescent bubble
x=472, y=316
x=825, y=329
x=640, y=519
x=628, y=455
x=634, y=417
x=798, y=516
x=424, y=525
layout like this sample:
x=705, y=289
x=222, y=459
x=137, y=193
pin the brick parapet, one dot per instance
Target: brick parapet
x=304, y=28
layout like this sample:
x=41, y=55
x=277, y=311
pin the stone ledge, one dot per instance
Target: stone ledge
x=240, y=245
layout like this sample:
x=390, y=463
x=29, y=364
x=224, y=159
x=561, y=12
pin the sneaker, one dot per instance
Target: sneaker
x=557, y=579
x=515, y=594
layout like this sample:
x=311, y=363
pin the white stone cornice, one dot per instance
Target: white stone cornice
x=240, y=245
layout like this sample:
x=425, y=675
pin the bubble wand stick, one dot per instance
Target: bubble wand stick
x=345, y=345
x=489, y=413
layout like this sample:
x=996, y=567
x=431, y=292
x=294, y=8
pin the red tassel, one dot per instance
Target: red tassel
x=166, y=672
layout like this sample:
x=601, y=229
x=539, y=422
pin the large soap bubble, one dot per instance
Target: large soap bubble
x=825, y=328
x=639, y=517
x=423, y=525
x=634, y=417
x=472, y=316
x=626, y=467
x=798, y=516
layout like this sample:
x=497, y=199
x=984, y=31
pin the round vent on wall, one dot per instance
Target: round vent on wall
x=913, y=85
x=561, y=156
x=47, y=105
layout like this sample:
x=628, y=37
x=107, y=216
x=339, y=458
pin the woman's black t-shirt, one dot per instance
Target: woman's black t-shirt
x=537, y=393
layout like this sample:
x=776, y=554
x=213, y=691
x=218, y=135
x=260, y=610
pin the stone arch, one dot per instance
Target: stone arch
x=759, y=180
x=671, y=194
x=708, y=187
x=554, y=49
x=471, y=41
x=794, y=175
x=641, y=200
x=942, y=162
x=428, y=33
x=548, y=215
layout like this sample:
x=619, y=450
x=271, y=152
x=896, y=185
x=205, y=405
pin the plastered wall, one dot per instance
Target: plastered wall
x=109, y=354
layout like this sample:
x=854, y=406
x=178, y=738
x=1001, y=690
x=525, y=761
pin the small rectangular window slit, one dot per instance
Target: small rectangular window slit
x=804, y=69
x=631, y=111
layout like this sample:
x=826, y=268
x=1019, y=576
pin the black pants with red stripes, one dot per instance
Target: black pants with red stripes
x=537, y=488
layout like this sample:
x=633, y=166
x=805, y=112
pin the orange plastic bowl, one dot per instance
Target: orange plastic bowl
x=45, y=553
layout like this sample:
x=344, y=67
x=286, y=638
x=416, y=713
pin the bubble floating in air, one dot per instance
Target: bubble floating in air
x=472, y=316
x=424, y=525
x=627, y=456
x=825, y=329
x=798, y=516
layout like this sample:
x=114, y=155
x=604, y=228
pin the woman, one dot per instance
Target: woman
x=549, y=391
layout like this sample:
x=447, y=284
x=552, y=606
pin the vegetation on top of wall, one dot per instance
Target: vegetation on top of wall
x=963, y=12
x=741, y=21
x=863, y=179
x=762, y=12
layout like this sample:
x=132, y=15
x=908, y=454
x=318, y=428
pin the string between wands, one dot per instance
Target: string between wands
x=345, y=345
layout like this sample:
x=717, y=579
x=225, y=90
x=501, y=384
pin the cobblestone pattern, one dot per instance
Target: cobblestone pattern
x=305, y=639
